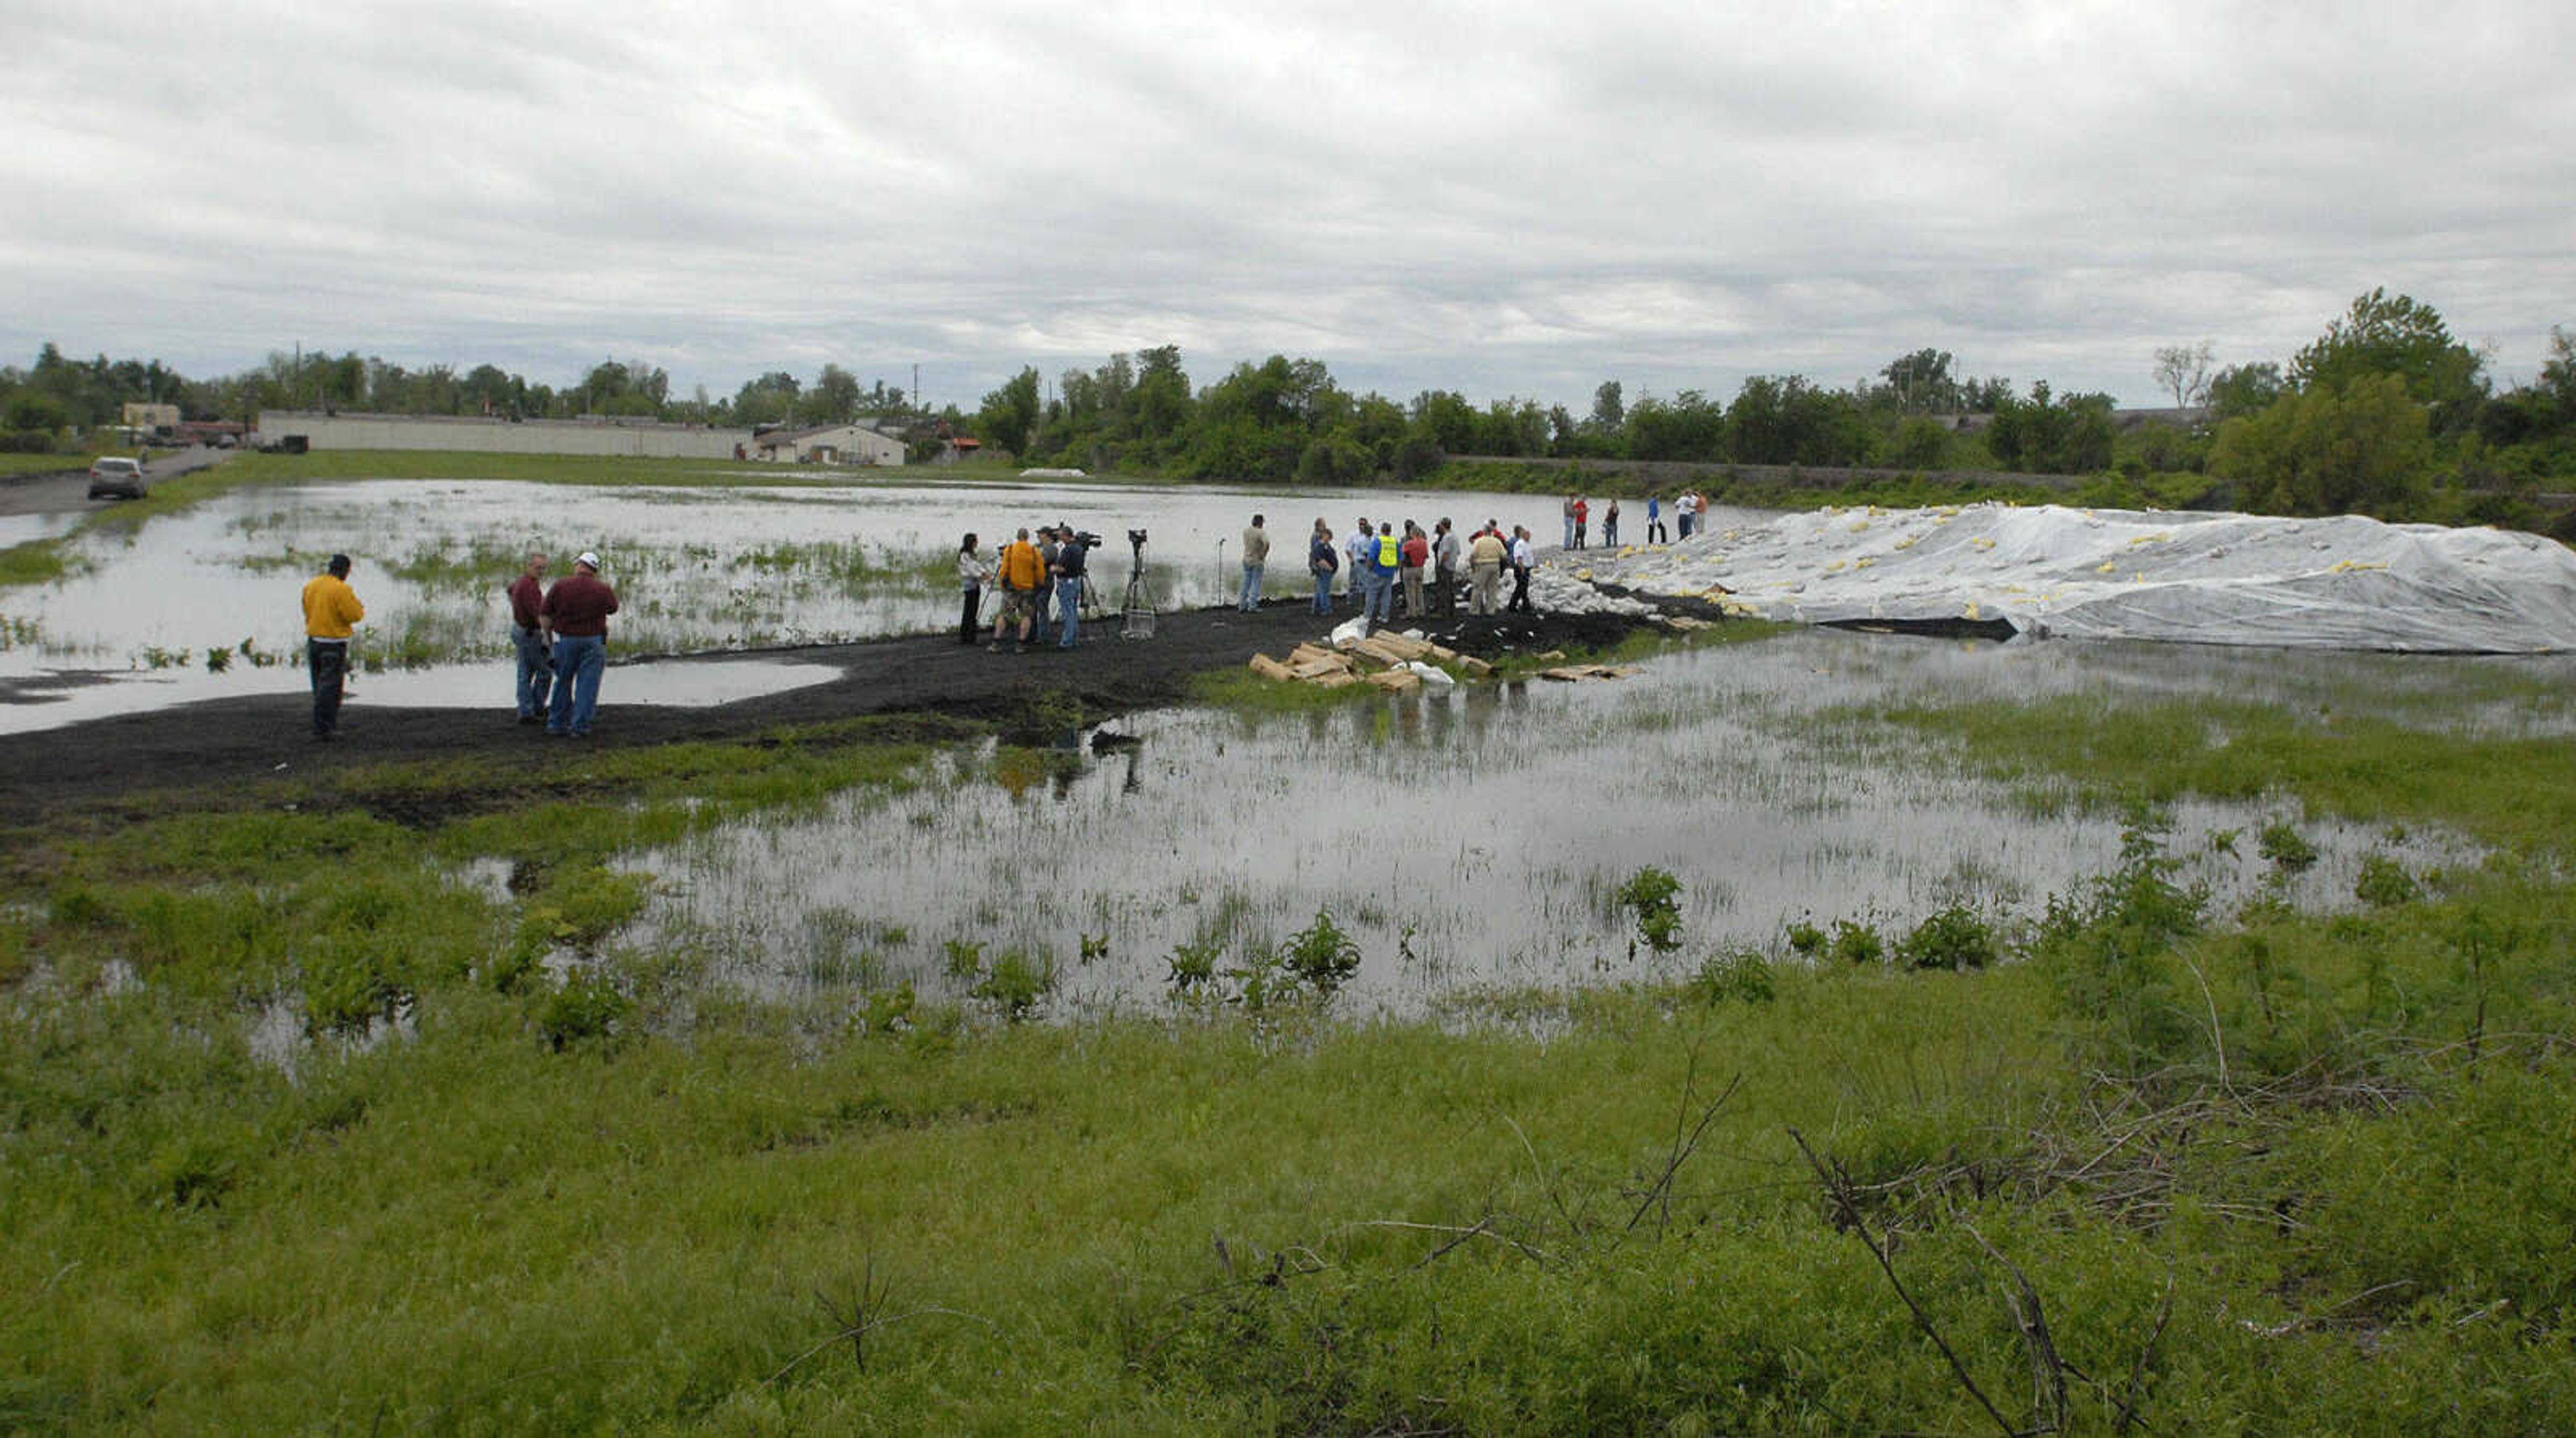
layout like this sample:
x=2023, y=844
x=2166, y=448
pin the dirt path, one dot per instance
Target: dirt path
x=246, y=740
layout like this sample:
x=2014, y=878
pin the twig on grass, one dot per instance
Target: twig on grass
x=1838, y=1188
x=1686, y=1137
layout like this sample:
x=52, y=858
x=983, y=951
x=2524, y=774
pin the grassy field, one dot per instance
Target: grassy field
x=335, y=1105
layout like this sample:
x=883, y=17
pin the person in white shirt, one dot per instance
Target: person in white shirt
x=1522, y=558
x=1444, y=561
x=974, y=572
x=1357, y=549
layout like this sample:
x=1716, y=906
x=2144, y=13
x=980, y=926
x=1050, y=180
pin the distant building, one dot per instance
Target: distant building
x=614, y=437
x=142, y=420
x=829, y=444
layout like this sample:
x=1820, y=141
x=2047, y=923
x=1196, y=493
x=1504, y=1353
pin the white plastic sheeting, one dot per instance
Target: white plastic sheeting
x=2341, y=583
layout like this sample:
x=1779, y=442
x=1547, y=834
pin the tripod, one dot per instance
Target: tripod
x=1138, y=607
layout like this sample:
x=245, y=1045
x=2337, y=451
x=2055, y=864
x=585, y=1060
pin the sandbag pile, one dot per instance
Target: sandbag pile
x=1395, y=662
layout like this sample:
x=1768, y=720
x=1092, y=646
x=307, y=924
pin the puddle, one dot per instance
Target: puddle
x=203, y=604
x=1476, y=839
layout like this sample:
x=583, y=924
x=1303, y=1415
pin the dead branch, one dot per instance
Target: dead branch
x=1686, y=1137
x=2047, y=1370
x=1838, y=1187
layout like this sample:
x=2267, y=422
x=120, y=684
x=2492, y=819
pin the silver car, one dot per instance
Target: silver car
x=113, y=478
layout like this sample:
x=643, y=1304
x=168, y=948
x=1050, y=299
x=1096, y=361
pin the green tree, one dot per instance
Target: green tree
x=2357, y=447
x=2403, y=337
x=1609, y=409
x=1921, y=383
x=1689, y=426
x=2244, y=389
x=2046, y=435
x=1010, y=413
x=834, y=399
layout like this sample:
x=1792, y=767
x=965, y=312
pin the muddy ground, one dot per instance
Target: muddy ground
x=197, y=752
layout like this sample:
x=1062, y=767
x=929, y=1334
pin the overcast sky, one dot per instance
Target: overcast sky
x=1495, y=198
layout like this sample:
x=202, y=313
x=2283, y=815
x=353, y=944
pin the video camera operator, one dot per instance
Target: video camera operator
x=1072, y=557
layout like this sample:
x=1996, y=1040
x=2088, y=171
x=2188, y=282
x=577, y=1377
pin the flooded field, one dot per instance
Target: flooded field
x=203, y=604
x=1477, y=840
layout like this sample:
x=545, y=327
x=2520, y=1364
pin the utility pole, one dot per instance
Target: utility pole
x=916, y=390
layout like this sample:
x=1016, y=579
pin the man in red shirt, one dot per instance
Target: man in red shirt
x=577, y=610
x=528, y=636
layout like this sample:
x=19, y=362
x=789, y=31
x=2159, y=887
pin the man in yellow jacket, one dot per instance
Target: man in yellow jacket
x=331, y=615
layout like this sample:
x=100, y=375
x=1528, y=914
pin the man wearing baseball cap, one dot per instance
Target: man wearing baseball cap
x=577, y=610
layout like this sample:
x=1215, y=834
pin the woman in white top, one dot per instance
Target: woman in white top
x=973, y=573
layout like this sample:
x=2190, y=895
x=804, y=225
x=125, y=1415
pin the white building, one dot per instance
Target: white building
x=830, y=444
x=621, y=438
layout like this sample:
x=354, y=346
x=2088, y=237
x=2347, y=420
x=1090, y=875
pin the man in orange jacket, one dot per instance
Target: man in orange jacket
x=1024, y=575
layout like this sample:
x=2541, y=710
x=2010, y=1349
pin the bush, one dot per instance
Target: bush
x=1740, y=974
x=1320, y=955
x=588, y=1006
x=1016, y=983
x=1953, y=939
x=2284, y=846
x=2384, y=883
x=1654, y=897
x=1856, y=943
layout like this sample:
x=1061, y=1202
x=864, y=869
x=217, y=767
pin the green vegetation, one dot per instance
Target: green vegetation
x=2142, y=1165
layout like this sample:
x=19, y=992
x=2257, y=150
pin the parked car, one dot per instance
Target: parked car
x=113, y=478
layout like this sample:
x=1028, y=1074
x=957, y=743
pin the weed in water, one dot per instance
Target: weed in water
x=1320, y=956
x=2289, y=851
x=1653, y=897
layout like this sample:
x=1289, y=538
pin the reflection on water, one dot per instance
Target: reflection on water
x=1475, y=838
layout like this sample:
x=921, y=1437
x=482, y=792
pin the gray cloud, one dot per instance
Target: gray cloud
x=1503, y=199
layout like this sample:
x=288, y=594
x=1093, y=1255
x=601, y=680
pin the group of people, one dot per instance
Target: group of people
x=1578, y=523
x=1426, y=569
x=561, y=634
x=1033, y=576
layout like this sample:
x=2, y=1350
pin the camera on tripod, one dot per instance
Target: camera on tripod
x=1136, y=540
x=1086, y=539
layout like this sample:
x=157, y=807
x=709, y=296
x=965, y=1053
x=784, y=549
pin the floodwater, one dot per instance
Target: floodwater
x=1473, y=840
x=203, y=604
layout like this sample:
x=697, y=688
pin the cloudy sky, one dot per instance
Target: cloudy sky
x=1502, y=199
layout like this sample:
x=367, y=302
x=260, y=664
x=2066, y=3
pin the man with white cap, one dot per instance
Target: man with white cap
x=577, y=610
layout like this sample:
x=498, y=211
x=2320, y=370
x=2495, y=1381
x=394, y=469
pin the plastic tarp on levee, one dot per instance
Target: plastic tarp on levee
x=2342, y=583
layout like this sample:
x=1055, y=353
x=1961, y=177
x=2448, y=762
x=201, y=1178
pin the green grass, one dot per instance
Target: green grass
x=2257, y=1172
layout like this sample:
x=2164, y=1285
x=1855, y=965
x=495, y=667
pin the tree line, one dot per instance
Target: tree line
x=2385, y=412
x=42, y=404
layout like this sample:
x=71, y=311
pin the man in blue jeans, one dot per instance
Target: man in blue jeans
x=577, y=610
x=1069, y=561
x=1256, y=555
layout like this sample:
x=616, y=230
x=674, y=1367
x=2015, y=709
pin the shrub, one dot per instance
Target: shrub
x=1654, y=897
x=2288, y=851
x=1954, y=939
x=1016, y=983
x=2384, y=883
x=588, y=1006
x=1320, y=955
x=1740, y=974
x=1856, y=943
